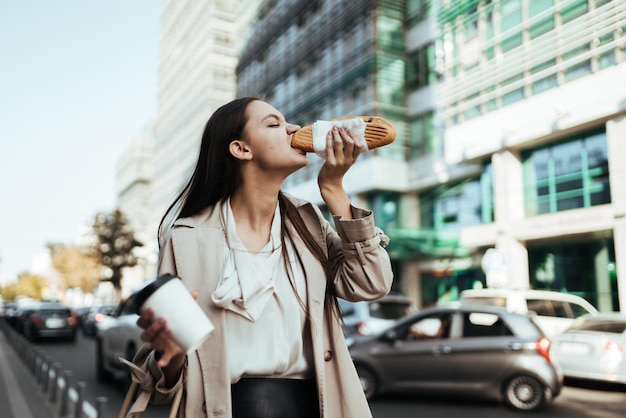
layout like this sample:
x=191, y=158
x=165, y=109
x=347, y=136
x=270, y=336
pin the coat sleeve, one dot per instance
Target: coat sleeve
x=360, y=261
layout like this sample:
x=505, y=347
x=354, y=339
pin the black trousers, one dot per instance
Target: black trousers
x=275, y=398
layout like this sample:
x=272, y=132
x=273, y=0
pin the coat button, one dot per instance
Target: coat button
x=328, y=356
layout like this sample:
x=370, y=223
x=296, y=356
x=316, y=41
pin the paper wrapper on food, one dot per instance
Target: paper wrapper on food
x=373, y=131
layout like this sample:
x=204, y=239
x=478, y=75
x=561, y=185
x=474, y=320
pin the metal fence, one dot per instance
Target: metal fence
x=66, y=399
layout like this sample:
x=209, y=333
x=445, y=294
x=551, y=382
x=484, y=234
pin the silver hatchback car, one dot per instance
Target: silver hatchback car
x=474, y=351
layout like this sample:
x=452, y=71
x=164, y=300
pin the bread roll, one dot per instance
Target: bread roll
x=378, y=132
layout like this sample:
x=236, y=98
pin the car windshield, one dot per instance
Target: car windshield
x=615, y=327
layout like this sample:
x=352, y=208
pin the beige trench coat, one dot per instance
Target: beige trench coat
x=194, y=253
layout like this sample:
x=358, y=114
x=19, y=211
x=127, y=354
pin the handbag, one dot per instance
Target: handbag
x=132, y=392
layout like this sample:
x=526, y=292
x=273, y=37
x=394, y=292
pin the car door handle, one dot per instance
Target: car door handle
x=441, y=349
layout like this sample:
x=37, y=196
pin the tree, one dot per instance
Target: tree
x=28, y=285
x=79, y=266
x=115, y=244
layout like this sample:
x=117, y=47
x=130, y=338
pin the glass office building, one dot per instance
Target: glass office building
x=511, y=130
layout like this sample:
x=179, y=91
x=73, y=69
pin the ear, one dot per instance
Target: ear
x=240, y=150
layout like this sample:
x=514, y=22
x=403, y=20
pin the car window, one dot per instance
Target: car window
x=541, y=307
x=561, y=309
x=577, y=310
x=484, y=325
x=428, y=328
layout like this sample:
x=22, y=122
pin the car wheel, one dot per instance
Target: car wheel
x=524, y=393
x=102, y=375
x=368, y=381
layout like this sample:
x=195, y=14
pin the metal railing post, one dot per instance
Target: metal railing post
x=56, y=367
x=65, y=394
x=101, y=403
x=78, y=406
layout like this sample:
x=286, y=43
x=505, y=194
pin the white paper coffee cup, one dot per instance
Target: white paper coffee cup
x=170, y=299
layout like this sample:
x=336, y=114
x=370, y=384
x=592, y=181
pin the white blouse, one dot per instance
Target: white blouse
x=266, y=328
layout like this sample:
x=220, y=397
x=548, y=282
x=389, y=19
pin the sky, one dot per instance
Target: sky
x=78, y=82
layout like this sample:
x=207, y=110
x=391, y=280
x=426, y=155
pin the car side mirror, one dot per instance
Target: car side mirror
x=390, y=336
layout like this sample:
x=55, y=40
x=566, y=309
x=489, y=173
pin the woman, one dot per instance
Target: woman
x=266, y=268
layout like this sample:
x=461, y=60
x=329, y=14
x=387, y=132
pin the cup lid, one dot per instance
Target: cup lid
x=137, y=299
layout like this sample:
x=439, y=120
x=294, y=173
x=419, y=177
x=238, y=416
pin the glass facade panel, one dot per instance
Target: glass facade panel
x=452, y=207
x=417, y=10
x=421, y=67
x=511, y=14
x=421, y=135
x=585, y=269
x=574, y=9
x=568, y=175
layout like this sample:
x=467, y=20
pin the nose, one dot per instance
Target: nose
x=291, y=128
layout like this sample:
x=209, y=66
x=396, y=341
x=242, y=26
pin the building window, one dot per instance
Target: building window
x=451, y=207
x=568, y=175
x=421, y=66
x=575, y=268
x=417, y=10
x=573, y=10
x=385, y=207
x=421, y=135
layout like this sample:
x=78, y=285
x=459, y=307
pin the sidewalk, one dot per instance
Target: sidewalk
x=20, y=396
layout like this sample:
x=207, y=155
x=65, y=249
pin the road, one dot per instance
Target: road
x=578, y=400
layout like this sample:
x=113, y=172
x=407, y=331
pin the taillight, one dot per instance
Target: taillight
x=73, y=319
x=35, y=320
x=98, y=317
x=613, y=349
x=543, y=347
x=362, y=329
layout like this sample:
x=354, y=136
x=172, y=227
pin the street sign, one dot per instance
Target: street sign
x=494, y=265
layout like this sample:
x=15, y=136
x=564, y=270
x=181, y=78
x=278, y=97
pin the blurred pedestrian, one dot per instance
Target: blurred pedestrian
x=267, y=269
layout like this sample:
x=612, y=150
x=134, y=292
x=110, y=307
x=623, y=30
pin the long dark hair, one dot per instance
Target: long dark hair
x=217, y=174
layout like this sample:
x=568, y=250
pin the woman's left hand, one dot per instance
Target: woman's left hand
x=342, y=150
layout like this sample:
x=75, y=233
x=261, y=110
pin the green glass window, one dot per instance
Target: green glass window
x=574, y=9
x=385, y=206
x=421, y=65
x=607, y=59
x=537, y=6
x=544, y=83
x=452, y=207
x=586, y=269
x=511, y=42
x=421, y=135
x=513, y=95
x=568, y=175
x=417, y=10
x=511, y=14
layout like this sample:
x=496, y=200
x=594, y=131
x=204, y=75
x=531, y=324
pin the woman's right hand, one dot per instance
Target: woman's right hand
x=158, y=335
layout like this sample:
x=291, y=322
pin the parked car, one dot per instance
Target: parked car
x=365, y=318
x=117, y=336
x=22, y=313
x=96, y=314
x=554, y=311
x=464, y=351
x=50, y=320
x=594, y=348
